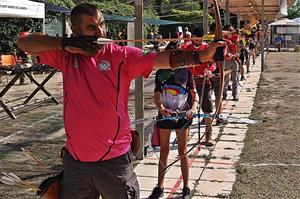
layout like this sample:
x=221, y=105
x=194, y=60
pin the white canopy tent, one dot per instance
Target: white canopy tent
x=284, y=22
x=287, y=29
x=22, y=9
x=297, y=20
x=285, y=26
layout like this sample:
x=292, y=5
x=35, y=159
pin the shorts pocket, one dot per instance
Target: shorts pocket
x=132, y=187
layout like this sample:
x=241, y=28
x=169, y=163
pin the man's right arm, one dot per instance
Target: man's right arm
x=37, y=42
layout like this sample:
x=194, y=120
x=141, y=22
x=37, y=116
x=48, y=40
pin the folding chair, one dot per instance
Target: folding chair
x=8, y=60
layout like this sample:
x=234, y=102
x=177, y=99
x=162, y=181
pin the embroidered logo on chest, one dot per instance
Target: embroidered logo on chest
x=104, y=65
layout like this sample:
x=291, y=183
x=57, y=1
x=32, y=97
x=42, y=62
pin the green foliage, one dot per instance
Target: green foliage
x=10, y=29
x=190, y=6
x=118, y=8
x=63, y=3
x=183, y=15
x=195, y=17
x=115, y=7
x=294, y=11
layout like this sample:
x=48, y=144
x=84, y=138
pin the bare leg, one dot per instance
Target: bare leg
x=242, y=72
x=164, y=136
x=182, y=149
x=253, y=55
x=248, y=65
x=226, y=83
x=217, y=102
x=234, y=79
x=208, y=132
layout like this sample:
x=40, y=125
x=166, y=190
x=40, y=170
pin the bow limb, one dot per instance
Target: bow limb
x=219, y=63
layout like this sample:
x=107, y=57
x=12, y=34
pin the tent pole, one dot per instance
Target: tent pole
x=44, y=26
x=63, y=20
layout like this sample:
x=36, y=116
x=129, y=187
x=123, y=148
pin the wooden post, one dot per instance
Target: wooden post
x=63, y=21
x=227, y=16
x=205, y=16
x=239, y=19
x=262, y=37
x=139, y=82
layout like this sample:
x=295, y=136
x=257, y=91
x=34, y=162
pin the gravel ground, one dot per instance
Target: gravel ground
x=269, y=166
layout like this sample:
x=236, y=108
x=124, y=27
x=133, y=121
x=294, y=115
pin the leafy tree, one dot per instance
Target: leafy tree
x=10, y=29
x=118, y=8
x=294, y=11
x=63, y=3
x=189, y=11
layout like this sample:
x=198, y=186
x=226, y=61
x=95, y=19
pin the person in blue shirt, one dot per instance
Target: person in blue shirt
x=279, y=41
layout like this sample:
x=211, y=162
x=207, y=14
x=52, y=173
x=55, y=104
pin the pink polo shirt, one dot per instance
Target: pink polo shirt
x=96, y=91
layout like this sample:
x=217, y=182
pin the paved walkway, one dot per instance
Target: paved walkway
x=212, y=169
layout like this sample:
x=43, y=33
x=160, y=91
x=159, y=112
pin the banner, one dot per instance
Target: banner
x=21, y=9
x=283, y=9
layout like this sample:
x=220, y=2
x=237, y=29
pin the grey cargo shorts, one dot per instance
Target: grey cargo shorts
x=110, y=179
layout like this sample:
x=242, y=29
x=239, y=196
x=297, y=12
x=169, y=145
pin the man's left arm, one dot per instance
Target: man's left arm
x=168, y=59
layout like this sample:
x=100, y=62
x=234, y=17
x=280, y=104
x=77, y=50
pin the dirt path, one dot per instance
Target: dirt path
x=269, y=166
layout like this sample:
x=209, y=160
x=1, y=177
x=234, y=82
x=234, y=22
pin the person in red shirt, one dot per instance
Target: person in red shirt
x=187, y=35
x=96, y=84
x=200, y=72
x=231, y=63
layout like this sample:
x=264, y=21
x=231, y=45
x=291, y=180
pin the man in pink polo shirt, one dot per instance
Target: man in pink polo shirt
x=96, y=89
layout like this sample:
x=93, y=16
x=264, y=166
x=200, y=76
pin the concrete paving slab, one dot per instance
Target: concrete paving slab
x=196, y=172
x=213, y=189
x=237, y=138
x=220, y=175
x=221, y=164
x=221, y=153
x=228, y=145
x=222, y=161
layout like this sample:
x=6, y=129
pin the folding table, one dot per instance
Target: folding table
x=17, y=71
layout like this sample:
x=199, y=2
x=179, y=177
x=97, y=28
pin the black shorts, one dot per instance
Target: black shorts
x=215, y=82
x=174, y=124
x=207, y=103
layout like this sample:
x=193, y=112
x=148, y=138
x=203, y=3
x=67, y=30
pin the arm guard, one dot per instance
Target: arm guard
x=179, y=59
x=86, y=43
